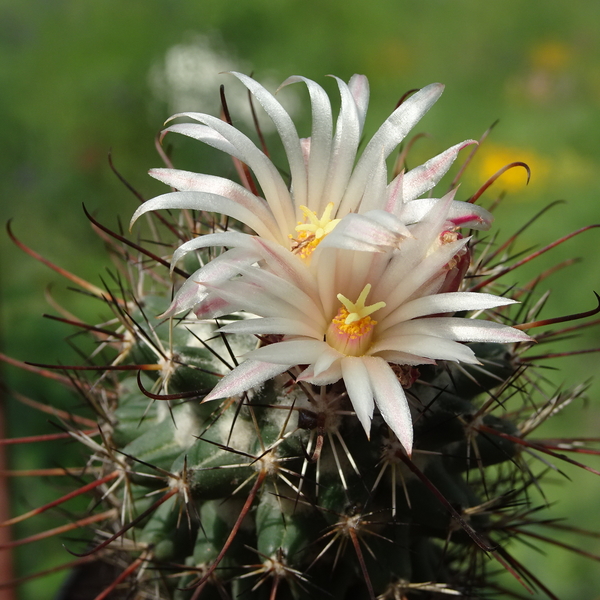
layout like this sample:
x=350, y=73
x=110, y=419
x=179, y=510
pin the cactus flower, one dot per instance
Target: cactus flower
x=353, y=315
x=327, y=183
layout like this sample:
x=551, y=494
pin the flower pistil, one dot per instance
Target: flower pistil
x=351, y=330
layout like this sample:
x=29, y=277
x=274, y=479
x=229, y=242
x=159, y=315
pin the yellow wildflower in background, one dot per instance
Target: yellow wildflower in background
x=491, y=158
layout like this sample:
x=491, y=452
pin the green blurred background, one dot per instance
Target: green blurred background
x=80, y=78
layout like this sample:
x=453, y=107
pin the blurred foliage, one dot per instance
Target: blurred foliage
x=78, y=79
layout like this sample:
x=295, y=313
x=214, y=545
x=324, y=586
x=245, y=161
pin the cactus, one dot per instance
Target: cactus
x=213, y=482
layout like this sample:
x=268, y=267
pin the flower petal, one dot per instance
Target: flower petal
x=218, y=270
x=320, y=142
x=287, y=132
x=428, y=346
x=460, y=329
x=425, y=177
x=390, y=134
x=250, y=374
x=269, y=179
x=187, y=181
x=271, y=325
x=345, y=145
x=358, y=386
x=208, y=202
x=391, y=400
x=449, y=302
x=296, y=352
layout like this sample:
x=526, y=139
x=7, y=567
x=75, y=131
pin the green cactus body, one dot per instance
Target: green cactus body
x=308, y=483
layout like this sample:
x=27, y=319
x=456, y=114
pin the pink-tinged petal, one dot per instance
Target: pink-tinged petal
x=269, y=179
x=404, y=358
x=295, y=352
x=360, y=232
x=188, y=181
x=203, y=134
x=345, y=145
x=358, y=386
x=218, y=270
x=395, y=197
x=331, y=375
x=207, y=202
x=427, y=346
x=461, y=214
x=359, y=88
x=448, y=303
x=427, y=229
x=320, y=142
x=273, y=325
x=248, y=375
x=287, y=132
x=285, y=264
x=389, y=221
x=213, y=307
x=413, y=276
x=459, y=329
x=241, y=295
x=189, y=295
x=272, y=285
x=327, y=357
x=231, y=239
x=389, y=135
x=375, y=194
x=391, y=400
x=425, y=177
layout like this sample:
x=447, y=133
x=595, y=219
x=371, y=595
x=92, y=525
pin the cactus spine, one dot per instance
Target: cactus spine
x=277, y=492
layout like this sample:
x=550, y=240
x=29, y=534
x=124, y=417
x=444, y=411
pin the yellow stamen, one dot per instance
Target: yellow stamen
x=351, y=330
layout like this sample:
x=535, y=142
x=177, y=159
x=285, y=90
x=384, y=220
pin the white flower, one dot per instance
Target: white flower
x=352, y=314
x=327, y=181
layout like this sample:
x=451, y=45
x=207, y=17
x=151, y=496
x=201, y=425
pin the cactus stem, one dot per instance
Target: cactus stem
x=453, y=512
x=245, y=509
x=127, y=527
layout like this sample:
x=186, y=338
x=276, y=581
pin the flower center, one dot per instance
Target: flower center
x=312, y=231
x=351, y=330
